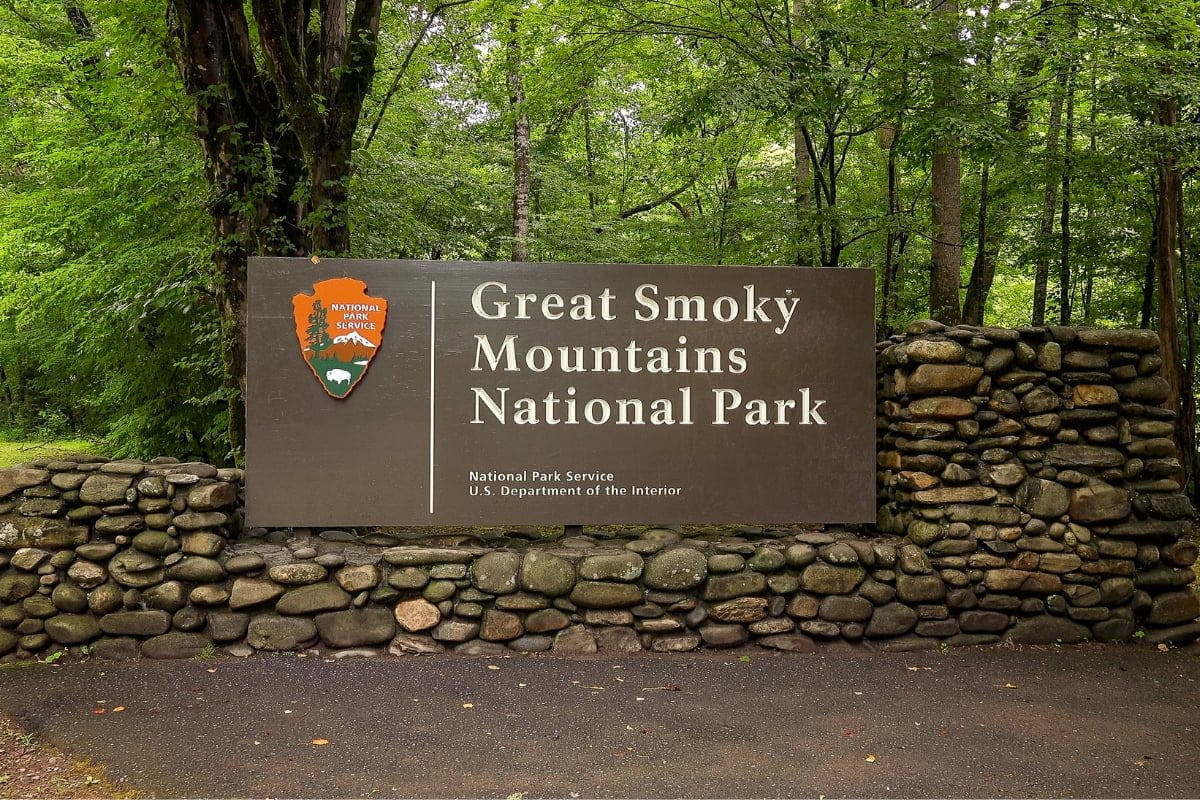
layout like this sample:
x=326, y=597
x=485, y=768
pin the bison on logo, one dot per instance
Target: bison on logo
x=340, y=329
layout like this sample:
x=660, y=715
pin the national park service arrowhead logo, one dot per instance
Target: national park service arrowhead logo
x=340, y=329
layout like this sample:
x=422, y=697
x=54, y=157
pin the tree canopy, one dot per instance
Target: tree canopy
x=1009, y=161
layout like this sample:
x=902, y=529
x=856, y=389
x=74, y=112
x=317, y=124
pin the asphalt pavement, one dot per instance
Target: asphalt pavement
x=1095, y=721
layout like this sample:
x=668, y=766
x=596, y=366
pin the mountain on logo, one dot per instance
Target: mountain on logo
x=353, y=337
x=352, y=346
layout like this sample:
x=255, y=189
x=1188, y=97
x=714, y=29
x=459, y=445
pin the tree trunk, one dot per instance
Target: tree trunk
x=801, y=161
x=801, y=180
x=275, y=117
x=1148, y=280
x=330, y=171
x=1049, y=201
x=1028, y=68
x=589, y=152
x=1064, y=263
x=1166, y=263
x=891, y=265
x=987, y=250
x=946, y=265
x=522, y=173
x=1187, y=412
x=727, y=229
x=1089, y=280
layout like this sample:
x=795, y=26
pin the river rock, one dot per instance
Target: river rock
x=1171, y=608
x=420, y=556
x=576, y=640
x=72, y=628
x=741, y=609
x=496, y=572
x=313, y=599
x=102, y=489
x=846, y=608
x=197, y=569
x=273, y=632
x=676, y=569
x=546, y=574
x=1043, y=498
x=456, y=630
x=70, y=598
x=1099, y=502
x=136, y=570
x=356, y=627
x=358, y=577
x=676, y=642
x=719, y=635
x=625, y=567
x=606, y=594
x=822, y=578
x=297, y=574
x=414, y=644
x=176, y=645
x=618, y=640
x=136, y=623
x=891, y=619
x=939, y=378
x=17, y=531
x=499, y=626
x=546, y=620
x=211, y=496
x=87, y=574
x=417, y=614
x=227, y=626
x=249, y=592
x=1046, y=629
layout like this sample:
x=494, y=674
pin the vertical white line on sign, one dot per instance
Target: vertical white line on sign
x=432, y=335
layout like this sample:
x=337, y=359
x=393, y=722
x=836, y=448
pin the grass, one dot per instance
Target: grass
x=16, y=452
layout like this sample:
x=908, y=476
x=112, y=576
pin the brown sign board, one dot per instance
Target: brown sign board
x=484, y=393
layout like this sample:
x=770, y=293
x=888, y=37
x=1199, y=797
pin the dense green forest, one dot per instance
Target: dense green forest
x=995, y=161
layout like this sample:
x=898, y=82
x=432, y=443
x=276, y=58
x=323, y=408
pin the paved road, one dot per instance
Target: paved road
x=1087, y=721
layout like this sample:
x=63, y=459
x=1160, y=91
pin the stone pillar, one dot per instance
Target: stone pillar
x=1040, y=464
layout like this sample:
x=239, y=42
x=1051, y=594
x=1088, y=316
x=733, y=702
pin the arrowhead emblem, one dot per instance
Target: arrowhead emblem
x=340, y=329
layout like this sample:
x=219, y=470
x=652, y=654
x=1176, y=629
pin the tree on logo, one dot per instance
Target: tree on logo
x=318, y=329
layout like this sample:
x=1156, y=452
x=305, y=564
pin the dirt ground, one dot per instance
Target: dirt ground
x=31, y=767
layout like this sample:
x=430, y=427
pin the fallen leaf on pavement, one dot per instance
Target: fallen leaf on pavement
x=320, y=741
x=870, y=759
x=118, y=709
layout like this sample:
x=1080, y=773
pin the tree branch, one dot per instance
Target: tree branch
x=408, y=56
x=359, y=69
x=333, y=43
x=658, y=201
x=287, y=72
x=241, y=57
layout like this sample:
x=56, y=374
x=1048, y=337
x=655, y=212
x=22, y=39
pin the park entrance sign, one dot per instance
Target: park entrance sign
x=440, y=392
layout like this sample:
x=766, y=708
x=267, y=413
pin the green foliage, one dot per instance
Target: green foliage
x=661, y=132
x=107, y=325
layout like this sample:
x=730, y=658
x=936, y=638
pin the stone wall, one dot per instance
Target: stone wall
x=1027, y=494
x=1037, y=467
